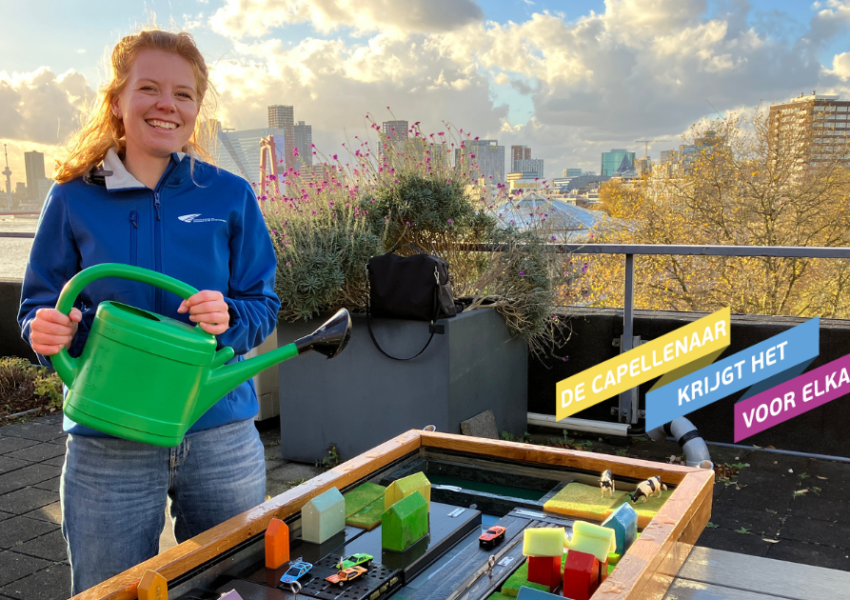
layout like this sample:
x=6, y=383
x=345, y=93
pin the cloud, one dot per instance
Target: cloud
x=841, y=65
x=40, y=106
x=256, y=18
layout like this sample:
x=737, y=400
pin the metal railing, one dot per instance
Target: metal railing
x=629, y=411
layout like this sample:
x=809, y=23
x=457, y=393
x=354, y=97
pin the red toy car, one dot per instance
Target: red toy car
x=492, y=536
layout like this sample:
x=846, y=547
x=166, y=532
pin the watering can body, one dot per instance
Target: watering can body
x=148, y=378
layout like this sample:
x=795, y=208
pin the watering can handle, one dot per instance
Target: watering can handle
x=66, y=366
x=79, y=281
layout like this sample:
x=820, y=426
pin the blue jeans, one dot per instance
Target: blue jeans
x=114, y=493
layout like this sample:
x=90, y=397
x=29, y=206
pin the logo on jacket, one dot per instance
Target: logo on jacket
x=194, y=219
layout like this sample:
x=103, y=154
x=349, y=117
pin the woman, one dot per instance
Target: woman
x=131, y=192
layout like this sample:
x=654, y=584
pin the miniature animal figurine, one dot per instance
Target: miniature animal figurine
x=648, y=489
x=606, y=483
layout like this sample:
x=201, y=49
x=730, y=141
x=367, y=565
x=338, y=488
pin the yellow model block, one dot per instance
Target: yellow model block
x=402, y=488
x=544, y=541
x=593, y=539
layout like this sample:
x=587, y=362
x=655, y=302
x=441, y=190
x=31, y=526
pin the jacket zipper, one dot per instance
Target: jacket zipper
x=134, y=237
x=157, y=235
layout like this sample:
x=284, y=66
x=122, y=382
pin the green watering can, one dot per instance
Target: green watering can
x=149, y=378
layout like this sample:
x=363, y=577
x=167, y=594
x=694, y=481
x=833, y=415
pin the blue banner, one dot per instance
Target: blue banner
x=777, y=359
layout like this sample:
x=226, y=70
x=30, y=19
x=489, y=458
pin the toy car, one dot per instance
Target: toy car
x=296, y=570
x=492, y=536
x=360, y=559
x=346, y=575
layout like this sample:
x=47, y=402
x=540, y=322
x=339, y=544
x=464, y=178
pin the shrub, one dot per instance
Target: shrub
x=23, y=386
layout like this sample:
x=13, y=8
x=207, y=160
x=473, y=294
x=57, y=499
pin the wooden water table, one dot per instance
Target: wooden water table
x=475, y=483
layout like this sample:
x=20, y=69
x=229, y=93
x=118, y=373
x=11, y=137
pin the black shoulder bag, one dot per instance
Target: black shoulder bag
x=412, y=287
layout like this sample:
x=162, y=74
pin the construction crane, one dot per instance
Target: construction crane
x=646, y=147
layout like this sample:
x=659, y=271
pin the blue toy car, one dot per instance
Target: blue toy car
x=296, y=570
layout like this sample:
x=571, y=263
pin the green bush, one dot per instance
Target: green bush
x=23, y=386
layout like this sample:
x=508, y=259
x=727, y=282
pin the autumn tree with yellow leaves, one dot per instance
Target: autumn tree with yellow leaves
x=745, y=184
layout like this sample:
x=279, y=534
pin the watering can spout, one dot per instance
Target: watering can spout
x=329, y=340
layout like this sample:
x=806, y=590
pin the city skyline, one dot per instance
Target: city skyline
x=570, y=85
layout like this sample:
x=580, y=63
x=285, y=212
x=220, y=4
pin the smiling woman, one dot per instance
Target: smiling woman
x=131, y=192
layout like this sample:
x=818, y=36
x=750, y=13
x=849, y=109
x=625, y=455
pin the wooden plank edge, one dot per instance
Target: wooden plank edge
x=650, y=564
x=201, y=548
x=577, y=459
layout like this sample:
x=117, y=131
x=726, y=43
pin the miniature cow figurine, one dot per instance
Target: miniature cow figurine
x=606, y=483
x=648, y=489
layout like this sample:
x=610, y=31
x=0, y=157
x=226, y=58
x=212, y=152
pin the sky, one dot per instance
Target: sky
x=569, y=78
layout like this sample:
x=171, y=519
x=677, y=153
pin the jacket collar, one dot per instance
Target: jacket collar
x=117, y=177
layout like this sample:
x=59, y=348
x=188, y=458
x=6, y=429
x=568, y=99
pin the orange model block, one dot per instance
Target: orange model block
x=153, y=586
x=277, y=544
x=581, y=575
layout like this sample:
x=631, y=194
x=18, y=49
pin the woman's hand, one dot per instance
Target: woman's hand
x=209, y=309
x=50, y=330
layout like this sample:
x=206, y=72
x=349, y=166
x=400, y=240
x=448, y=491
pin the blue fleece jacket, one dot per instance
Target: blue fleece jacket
x=200, y=225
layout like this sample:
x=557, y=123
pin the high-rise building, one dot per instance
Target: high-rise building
x=519, y=153
x=613, y=161
x=489, y=156
x=810, y=130
x=572, y=172
x=303, y=140
x=34, y=162
x=283, y=117
x=239, y=151
x=44, y=184
x=529, y=166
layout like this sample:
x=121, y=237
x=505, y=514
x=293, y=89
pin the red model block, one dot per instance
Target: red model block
x=581, y=575
x=277, y=544
x=545, y=570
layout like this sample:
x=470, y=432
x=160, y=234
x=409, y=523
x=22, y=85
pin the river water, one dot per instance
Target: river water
x=14, y=252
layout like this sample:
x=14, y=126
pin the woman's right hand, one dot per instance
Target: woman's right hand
x=50, y=330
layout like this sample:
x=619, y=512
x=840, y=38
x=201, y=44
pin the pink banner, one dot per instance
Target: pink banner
x=792, y=398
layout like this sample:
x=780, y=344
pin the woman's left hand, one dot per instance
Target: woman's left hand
x=209, y=309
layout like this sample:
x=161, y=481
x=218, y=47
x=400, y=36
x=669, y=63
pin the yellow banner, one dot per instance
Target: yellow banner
x=697, y=340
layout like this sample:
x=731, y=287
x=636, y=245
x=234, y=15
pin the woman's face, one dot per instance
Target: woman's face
x=159, y=104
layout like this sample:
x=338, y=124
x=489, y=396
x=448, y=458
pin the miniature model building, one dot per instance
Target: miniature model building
x=527, y=593
x=401, y=488
x=624, y=522
x=405, y=523
x=277, y=544
x=364, y=506
x=518, y=580
x=544, y=547
x=581, y=575
x=593, y=539
x=323, y=517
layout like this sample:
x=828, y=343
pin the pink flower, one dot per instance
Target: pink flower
x=295, y=152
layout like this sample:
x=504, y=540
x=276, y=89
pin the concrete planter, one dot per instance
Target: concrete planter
x=361, y=398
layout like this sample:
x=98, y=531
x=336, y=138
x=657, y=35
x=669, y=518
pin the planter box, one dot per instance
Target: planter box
x=361, y=398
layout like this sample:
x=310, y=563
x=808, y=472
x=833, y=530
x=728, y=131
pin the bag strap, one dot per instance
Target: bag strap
x=425, y=347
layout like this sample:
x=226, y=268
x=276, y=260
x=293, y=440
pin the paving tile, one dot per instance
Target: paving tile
x=11, y=464
x=25, y=500
x=10, y=444
x=813, y=531
x=14, y=566
x=5, y=515
x=51, y=485
x=33, y=431
x=59, y=440
x=52, y=513
x=52, y=583
x=54, y=419
x=727, y=539
x=811, y=554
x=38, y=453
x=26, y=476
x=760, y=522
x=18, y=530
x=768, y=462
x=50, y=546
x=760, y=493
x=823, y=509
x=56, y=462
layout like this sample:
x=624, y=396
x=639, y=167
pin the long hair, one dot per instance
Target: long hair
x=103, y=130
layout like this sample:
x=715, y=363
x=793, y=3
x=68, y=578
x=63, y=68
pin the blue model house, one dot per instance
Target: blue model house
x=624, y=522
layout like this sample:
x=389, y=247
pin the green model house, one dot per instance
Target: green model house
x=401, y=488
x=405, y=523
x=323, y=517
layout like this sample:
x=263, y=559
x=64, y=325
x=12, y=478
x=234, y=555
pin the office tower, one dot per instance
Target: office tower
x=809, y=130
x=303, y=140
x=572, y=172
x=529, y=166
x=613, y=160
x=519, y=153
x=489, y=157
x=239, y=151
x=283, y=117
x=34, y=162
